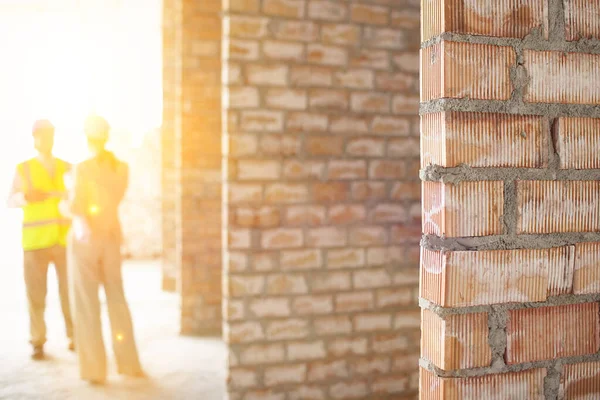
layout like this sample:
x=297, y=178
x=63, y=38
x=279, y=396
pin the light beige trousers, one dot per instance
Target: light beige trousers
x=35, y=266
x=92, y=264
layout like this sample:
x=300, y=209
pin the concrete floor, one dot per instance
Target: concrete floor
x=178, y=367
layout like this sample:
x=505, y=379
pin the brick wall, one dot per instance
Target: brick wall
x=322, y=199
x=510, y=150
x=192, y=160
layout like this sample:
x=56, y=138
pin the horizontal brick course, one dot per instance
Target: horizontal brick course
x=558, y=206
x=558, y=77
x=503, y=19
x=458, y=70
x=575, y=331
x=484, y=140
x=578, y=143
x=581, y=19
x=521, y=385
x=445, y=211
x=581, y=380
x=469, y=278
x=456, y=342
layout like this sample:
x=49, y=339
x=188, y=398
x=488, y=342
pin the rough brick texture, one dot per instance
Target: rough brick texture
x=192, y=161
x=322, y=199
x=510, y=144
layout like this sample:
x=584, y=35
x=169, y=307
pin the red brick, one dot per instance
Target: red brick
x=342, y=34
x=262, y=121
x=347, y=169
x=281, y=193
x=281, y=238
x=307, y=122
x=388, y=125
x=301, y=259
x=386, y=169
x=330, y=192
x=366, y=147
x=375, y=365
x=326, y=237
x=574, y=331
x=456, y=342
x=346, y=214
x=521, y=385
x=336, y=325
x=388, y=343
x=327, y=10
x=403, y=148
x=242, y=378
x=327, y=55
x=307, y=392
x=345, y=258
x=313, y=305
x=407, y=62
x=295, y=30
x=550, y=70
x=238, y=238
x=244, y=193
x=243, y=97
x=280, y=145
x=484, y=140
x=558, y=206
x=355, y=78
x=284, y=8
x=503, y=19
x=242, y=145
x=385, y=38
x=386, y=212
x=247, y=27
x=396, y=297
x=370, y=102
x=244, y=332
x=311, y=76
x=355, y=301
x=349, y=124
x=324, y=145
x=406, y=18
x=262, y=354
x=257, y=217
x=581, y=19
x=243, y=50
x=284, y=374
x=468, y=278
x=444, y=211
x=390, y=384
x=251, y=6
x=325, y=371
x=329, y=99
x=287, y=329
x=270, y=307
x=348, y=390
x=306, y=350
x=458, y=70
x=286, y=284
x=289, y=99
x=272, y=75
x=330, y=282
x=348, y=346
x=280, y=50
x=369, y=58
x=578, y=143
x=586, y=276
x=396, y=82
x=295, y=169
x=369, y=190
x=305, y=215
x=581, y=380
x=368, y=236
x=367, y=14
x=372, y=322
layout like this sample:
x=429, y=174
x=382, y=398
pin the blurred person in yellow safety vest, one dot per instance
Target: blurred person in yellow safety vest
x=94, y=257
x=38, y=186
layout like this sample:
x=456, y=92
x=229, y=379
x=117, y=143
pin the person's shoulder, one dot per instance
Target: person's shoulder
x=67, y=165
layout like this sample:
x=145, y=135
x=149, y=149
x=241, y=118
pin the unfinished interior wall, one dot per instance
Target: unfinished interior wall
x=322, y=199
x=192, y=161
x=510, y=262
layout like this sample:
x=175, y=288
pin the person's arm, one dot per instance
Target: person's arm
x=123, y=182
x=76, y=199
x=16, y=197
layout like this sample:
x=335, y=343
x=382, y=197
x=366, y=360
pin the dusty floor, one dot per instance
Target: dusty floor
x=178, y=367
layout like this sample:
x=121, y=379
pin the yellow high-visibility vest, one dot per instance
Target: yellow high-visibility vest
x=43, y=224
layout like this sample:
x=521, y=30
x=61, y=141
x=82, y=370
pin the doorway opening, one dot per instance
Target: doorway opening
x=63, y=60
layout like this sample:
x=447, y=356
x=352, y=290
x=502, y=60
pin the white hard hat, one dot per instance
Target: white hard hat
x=96, y=127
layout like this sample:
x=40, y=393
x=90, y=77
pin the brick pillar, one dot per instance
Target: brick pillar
x=510, y=259
x=194, y=138
x=168, y=178
x=322, y=198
